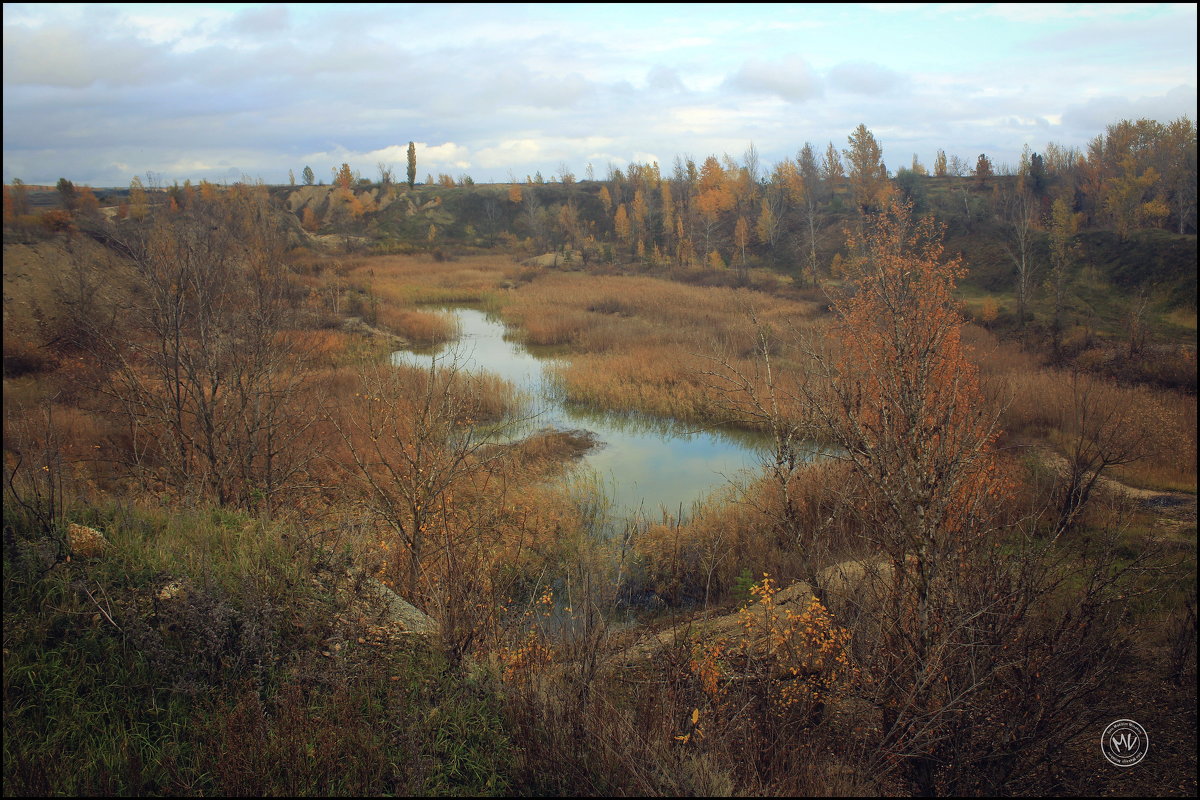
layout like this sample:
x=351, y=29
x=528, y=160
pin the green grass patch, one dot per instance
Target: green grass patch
x=194, y=657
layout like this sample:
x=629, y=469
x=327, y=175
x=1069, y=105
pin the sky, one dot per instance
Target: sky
x=101, y=93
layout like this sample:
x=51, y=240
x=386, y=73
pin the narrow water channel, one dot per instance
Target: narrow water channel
x=644, y=465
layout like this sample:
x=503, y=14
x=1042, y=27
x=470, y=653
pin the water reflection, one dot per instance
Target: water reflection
x=647, y=464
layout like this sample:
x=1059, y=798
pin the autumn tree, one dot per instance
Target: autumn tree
x=19, y=198
x=308, y=176
x=621, y=225
x=568, y=224
x=768, y=227
x=832, y=172
x=138, y=204
x=905, y=411
x=983, y=170
x=1130, y=196
x=712, y=200
x=867, y=175
x=639, y=215
x=940, y=164
x=741, y=239
x=86, y=203
x=963, y=604
x=344, y=178
x=412, y=164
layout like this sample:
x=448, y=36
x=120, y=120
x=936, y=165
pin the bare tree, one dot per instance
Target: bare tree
x=206, y=382
x=762, y=395
x=534, y=216
x=1103, y=431
x=1020, y=215
x=386, y=173
x=422, y=457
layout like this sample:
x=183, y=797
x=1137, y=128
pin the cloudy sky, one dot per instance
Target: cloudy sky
x=99, y=93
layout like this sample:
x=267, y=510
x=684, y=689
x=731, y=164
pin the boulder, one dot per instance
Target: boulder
x=85, y=542
x=398, y=612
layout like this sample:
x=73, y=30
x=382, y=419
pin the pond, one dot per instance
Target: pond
x=644, y=465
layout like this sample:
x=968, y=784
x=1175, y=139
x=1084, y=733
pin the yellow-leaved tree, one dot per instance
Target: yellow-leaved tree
x=966, y=616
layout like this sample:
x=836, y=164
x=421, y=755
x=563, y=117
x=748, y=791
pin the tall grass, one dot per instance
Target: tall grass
x=643, y=343
x=418, y=327
x=1037, y=401
x=209, y=653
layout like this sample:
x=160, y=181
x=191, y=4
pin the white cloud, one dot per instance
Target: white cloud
x=447, y=154
x=95, y=93
x=549, y=151
x=790, y=78
x=70, y=57
x=863, y=77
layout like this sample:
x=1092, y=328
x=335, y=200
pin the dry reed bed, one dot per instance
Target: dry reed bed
x=418, y=327
x=1040, y=403
x=646, y=344
x=412, y=280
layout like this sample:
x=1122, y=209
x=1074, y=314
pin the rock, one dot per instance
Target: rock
x=568, y=258
x=853, y=581
x=86, y=542
x=172, y=591
x=399, y=611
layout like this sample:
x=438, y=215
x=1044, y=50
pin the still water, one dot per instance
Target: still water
x=644, y=465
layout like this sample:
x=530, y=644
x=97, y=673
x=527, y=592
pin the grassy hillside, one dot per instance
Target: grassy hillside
x=208, y=652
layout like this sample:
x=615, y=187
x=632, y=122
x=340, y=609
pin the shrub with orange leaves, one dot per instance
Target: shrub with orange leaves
x=786, y=663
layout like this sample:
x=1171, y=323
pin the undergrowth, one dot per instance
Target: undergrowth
x=195, y=657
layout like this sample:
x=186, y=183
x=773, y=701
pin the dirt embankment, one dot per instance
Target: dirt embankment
x=1174, y=510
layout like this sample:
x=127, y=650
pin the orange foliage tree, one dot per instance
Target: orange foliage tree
x=713, y=198
x=965, y=618
x=344, y=178
x=905, y=409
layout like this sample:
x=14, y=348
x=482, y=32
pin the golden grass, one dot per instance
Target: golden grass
x=322, y=348
x=643, y=343
x=703, y=556
x=1183, y=317
x=409, y=280
x=418, y=327
x=1037, y=404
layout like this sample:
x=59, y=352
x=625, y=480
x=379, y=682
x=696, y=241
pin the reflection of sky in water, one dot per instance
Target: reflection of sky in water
x=642, y=463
